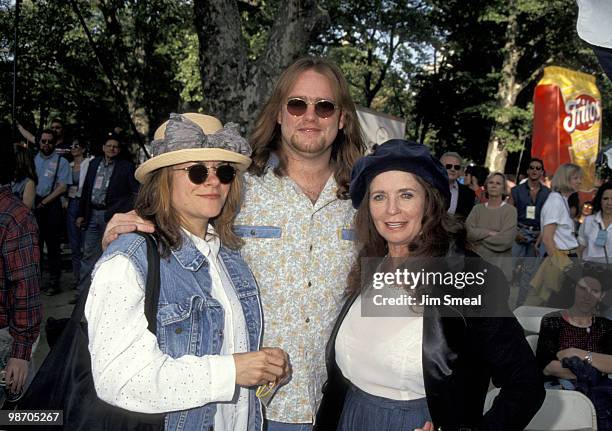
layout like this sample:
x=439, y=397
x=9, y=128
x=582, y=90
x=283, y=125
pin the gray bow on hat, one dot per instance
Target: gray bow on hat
x=182, y=133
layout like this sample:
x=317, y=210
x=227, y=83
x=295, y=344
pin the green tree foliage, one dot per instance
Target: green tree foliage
x=379, y=45
x=149, y=47
x=491, y=54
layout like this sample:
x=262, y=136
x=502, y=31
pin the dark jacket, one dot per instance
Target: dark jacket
x=121, y=193
x=465, y=201
x=463, y=348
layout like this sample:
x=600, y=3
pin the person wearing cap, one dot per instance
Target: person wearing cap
x=109, y=188
x=206, y=357
x=433, y=364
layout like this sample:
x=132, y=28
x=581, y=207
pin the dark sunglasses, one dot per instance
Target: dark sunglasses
x=198, y=173
x=323, y=108
x=451, y=166
x=46, y=141
x=536, y=168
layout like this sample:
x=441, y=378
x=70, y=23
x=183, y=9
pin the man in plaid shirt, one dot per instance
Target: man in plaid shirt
x=20, y=277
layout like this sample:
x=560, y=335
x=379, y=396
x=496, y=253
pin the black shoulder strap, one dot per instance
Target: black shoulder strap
x=153, y=283
x=151, y=288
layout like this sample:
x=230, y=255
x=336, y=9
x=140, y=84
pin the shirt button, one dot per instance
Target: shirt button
x=310, y=248
x=178, y=330
x=308, y=320
x=309, y=284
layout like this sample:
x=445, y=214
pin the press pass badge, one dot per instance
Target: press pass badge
x=530, y=212
x=602, y=237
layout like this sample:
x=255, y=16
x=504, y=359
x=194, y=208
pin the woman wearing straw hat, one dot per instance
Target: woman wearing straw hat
x=206, y=355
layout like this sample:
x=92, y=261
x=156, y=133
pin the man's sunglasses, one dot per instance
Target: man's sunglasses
x=323, y=108
x=536, y=168
x=46, y=141
x=451, y=166
x=198, y=173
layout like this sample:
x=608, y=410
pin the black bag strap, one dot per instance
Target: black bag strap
x=151, y=289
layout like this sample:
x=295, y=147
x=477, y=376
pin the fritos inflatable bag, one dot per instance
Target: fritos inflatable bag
x=567, y=121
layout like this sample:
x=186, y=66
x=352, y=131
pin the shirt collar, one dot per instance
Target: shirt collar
x=209, y=247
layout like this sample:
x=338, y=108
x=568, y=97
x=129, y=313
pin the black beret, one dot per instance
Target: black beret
x=398, y=155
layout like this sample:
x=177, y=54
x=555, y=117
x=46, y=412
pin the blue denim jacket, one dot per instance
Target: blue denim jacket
x=189, y=320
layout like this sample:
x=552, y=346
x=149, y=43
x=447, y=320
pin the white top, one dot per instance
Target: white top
x=556, y=211
x=594, y=20
x=382, y=355
x=587, y=235
x=74, y=191
x=454, y=190
x=130, y=371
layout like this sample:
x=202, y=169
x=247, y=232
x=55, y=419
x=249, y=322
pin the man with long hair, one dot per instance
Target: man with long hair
x=296, y=221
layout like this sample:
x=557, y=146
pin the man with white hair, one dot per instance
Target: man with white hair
x=462, y=197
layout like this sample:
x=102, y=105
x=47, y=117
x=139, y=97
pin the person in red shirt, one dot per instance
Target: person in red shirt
x=20, y=277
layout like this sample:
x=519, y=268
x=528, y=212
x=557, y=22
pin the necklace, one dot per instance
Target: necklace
x=579, y=323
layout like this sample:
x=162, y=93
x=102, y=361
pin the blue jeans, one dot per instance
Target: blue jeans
x=92, y=243
x=366, y=412
x=282, y=426
x=525, y=254
x=75, y=237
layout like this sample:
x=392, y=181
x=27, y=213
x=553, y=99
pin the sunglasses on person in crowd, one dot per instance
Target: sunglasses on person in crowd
x=46, y=141
x=536, y=168
x=323, y=108
x=451, y=166
x=198, y=173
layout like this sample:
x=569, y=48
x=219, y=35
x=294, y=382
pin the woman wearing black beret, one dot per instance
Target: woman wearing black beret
x=429, y=368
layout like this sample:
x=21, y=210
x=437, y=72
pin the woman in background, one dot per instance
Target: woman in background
x=79, y=166
x=24, y=186
x=491, y=226
x=558, y=237
x=595, y=234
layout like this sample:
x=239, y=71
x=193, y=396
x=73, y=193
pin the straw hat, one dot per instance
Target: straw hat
x=193, y=137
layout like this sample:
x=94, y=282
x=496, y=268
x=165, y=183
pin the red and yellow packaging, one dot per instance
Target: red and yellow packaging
x=567, y=121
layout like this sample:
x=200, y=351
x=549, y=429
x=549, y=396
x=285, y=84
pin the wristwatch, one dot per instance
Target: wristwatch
x=588, y=358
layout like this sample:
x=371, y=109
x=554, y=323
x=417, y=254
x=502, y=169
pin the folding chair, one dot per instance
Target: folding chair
x=561, y=411
x=530, y=317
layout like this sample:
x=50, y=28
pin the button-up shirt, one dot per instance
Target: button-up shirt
x=46, y=169
x=19, y=274
x=522, y=199
x=300, y=254
x=103, y=176
x=454, y=190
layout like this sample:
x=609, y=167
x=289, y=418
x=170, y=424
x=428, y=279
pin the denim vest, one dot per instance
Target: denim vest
x=189, y=320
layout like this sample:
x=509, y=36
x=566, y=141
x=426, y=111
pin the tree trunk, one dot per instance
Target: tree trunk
x=507, y=92
x=235, y=87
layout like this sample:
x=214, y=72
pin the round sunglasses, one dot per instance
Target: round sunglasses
x=198, y=173
x=323, y=108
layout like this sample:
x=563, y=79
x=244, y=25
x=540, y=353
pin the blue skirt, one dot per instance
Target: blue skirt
x=365, y=412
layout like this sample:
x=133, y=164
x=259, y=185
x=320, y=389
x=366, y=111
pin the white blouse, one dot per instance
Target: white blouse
x=382, y=355
x=556, y=211
x=587, y=236
x=129, y=369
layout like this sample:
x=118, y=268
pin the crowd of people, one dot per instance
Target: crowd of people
x=263, y=275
